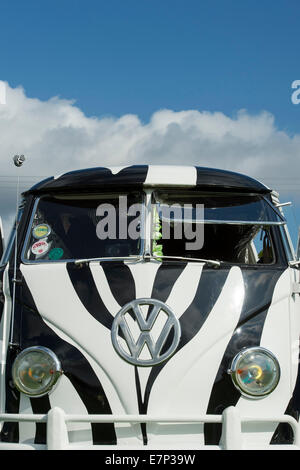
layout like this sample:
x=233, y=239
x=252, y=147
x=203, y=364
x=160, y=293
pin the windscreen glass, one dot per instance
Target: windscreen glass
x=219, y=207
x=81, y=227
x=235, y=229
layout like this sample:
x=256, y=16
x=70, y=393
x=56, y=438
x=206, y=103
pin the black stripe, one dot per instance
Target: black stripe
x=75, y=367
x=100, y=178
x=86, y=289
x=259, y=288
x=140, y=403
x=166, y=276
x=223, y=180
x=10, y=431
x=120, y=281
x=40, y=405
x=209, y=288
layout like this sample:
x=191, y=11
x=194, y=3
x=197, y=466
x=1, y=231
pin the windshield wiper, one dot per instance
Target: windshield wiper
x=146, y=257
x=185, y=258
x=109, y=258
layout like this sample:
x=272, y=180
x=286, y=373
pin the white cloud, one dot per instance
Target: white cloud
x=56, y=136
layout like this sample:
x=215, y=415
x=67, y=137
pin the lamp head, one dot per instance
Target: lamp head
x=18, y=160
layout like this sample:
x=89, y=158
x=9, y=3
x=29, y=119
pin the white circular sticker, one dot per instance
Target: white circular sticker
x=39, y=248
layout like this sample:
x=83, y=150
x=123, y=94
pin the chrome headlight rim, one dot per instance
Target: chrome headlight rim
x=57, y=371
x=234, y=367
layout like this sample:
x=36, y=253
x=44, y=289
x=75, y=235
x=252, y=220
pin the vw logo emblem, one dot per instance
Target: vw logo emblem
x=145, y=323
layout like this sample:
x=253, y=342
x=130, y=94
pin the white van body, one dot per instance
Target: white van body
x=150, y=339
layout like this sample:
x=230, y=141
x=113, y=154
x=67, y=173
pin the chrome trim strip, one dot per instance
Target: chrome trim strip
x=226, y=222
x=111, y=258
x=243, y=222
x=28, y=233
x=184, y=258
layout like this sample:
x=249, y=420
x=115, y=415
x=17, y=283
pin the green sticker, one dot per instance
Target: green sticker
x=41, y=231
x=56, y=253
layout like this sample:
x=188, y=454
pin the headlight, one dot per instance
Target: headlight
x=255, y=372
x=35, y=371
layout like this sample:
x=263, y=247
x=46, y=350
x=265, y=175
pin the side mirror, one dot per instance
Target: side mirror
x=1, y=239
x=298, y=245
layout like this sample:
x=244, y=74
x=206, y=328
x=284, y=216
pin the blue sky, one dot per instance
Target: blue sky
x=116, y=57
x=137, y=57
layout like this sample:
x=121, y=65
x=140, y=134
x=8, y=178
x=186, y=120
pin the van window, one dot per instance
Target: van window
x=230, y=228
x=88, y=226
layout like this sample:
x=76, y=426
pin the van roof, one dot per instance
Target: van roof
x=138, y=176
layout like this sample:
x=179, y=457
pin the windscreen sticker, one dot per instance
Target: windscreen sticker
x=56, y=253
x=41, y=231
x=40, y=248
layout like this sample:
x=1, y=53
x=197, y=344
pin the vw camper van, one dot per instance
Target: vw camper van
x=149, y=307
